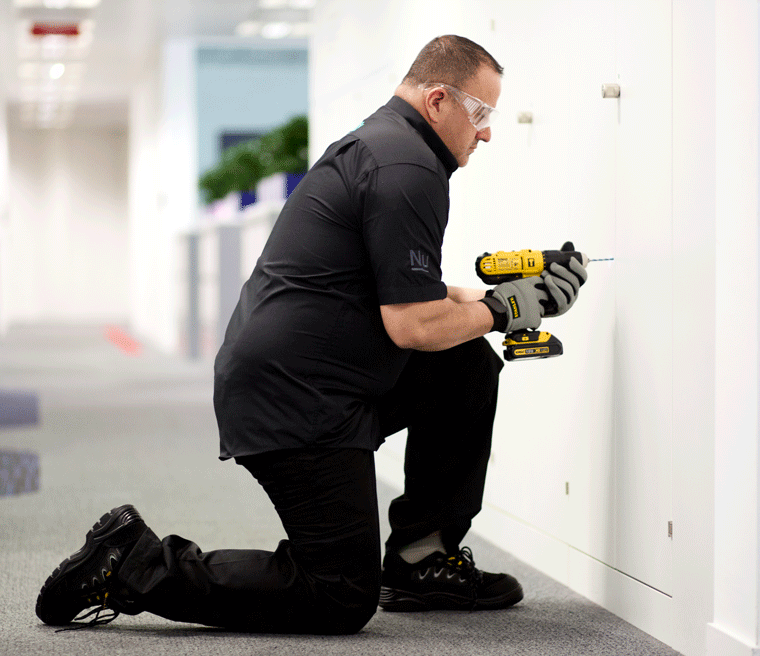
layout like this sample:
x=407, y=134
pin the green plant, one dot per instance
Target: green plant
x=242, y=167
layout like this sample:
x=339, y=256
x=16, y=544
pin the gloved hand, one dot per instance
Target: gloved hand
x=563, y=283
x=517, y=305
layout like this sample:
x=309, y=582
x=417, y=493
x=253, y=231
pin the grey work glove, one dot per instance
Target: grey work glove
x=562, y=284
x=517, y=305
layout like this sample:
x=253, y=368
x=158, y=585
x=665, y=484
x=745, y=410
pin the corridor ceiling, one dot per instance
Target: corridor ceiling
x=76, y=61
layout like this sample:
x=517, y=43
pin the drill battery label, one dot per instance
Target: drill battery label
x=515, y=307
x=538, y=350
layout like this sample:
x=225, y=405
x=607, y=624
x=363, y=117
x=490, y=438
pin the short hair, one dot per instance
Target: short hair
x=450, y=59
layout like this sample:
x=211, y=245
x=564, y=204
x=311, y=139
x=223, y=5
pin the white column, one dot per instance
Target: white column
x=735, y=626
x=693, y=321
x=4, y=218
x=163, y=187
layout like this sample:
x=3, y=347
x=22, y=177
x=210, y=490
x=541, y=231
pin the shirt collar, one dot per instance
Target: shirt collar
x=414, y=118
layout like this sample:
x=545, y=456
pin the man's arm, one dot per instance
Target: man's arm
x=436, y=325
x=439, y=325
x=464, y=294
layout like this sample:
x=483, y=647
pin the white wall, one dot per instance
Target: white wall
x=4, y=215
x=694, y=227
x=163, y=188
x=151, y=277
x=67, y=227
x=629, y=416
x=736, y=626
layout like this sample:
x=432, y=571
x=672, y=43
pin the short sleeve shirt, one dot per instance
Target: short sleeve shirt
x=306, y=354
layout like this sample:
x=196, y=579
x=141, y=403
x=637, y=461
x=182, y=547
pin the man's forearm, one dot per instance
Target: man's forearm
x=436, y=325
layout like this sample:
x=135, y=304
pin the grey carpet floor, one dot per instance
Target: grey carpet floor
x=118, y=428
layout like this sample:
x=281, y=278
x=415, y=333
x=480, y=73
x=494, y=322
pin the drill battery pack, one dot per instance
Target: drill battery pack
x=531, y=344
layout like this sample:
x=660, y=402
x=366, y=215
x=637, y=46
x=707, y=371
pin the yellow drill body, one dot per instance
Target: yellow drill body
x=514, y=264
x=505, y=266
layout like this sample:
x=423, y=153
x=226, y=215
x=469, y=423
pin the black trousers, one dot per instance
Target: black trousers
x=325, y=578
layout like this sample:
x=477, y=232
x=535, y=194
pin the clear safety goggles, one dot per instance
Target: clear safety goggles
x=481, y=115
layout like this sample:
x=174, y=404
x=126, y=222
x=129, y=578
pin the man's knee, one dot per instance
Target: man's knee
x=467, y=376
x=351, y=621
x=348, y=610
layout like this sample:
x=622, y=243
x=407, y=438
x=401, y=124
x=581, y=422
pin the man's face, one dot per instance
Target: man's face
x=460, y=136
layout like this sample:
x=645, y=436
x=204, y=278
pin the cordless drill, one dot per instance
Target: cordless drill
x=505, y=266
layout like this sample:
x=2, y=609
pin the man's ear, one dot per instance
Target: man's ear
x=433, y=100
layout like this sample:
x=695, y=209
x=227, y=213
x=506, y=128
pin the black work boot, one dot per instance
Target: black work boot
x=88, y=577
x=441, y=582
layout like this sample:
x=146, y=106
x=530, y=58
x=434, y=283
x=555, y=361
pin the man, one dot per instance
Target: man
x=344, y=334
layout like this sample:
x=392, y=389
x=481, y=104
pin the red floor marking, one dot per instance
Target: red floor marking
x=118, y=337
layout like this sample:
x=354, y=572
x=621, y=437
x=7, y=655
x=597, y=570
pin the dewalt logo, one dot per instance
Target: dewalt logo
x=515, y=307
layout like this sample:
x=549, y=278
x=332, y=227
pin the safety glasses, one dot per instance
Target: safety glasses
x=481, y=115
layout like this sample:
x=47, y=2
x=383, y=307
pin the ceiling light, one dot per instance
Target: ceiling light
x=276, y=30
x=272, y=4
x=56, y=71
x=303, y=4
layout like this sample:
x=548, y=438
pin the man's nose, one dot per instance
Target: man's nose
x=484, y=135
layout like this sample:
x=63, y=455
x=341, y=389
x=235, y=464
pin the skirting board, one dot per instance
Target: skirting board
x=641, y=605
x=637, y=603
x=722, y=643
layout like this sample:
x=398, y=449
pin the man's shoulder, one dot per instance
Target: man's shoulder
x=391, y=140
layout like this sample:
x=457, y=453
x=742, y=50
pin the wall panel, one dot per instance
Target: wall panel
x=643, y=376
x=581, y=482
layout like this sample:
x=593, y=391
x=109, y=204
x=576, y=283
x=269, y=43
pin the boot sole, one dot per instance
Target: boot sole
x=104, y=528
x=404, y=601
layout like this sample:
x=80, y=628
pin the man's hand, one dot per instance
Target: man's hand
x=563, y=284
x=517, y=305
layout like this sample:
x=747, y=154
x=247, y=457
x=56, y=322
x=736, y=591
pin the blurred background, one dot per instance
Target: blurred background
x=628, y=468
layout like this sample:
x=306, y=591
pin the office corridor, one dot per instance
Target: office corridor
x=121, y=423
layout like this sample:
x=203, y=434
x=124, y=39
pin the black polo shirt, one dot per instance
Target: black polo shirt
x=306, y=352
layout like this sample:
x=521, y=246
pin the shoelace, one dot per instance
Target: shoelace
x=95, y=621
x=98, y=619
x=464, y=562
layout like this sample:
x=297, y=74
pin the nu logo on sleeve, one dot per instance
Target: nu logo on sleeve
x=512, y=300
x=419, y=261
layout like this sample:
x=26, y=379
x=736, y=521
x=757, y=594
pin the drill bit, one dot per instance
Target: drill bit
x=603, y=259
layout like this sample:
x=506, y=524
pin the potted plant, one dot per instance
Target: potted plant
x=242, y=167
